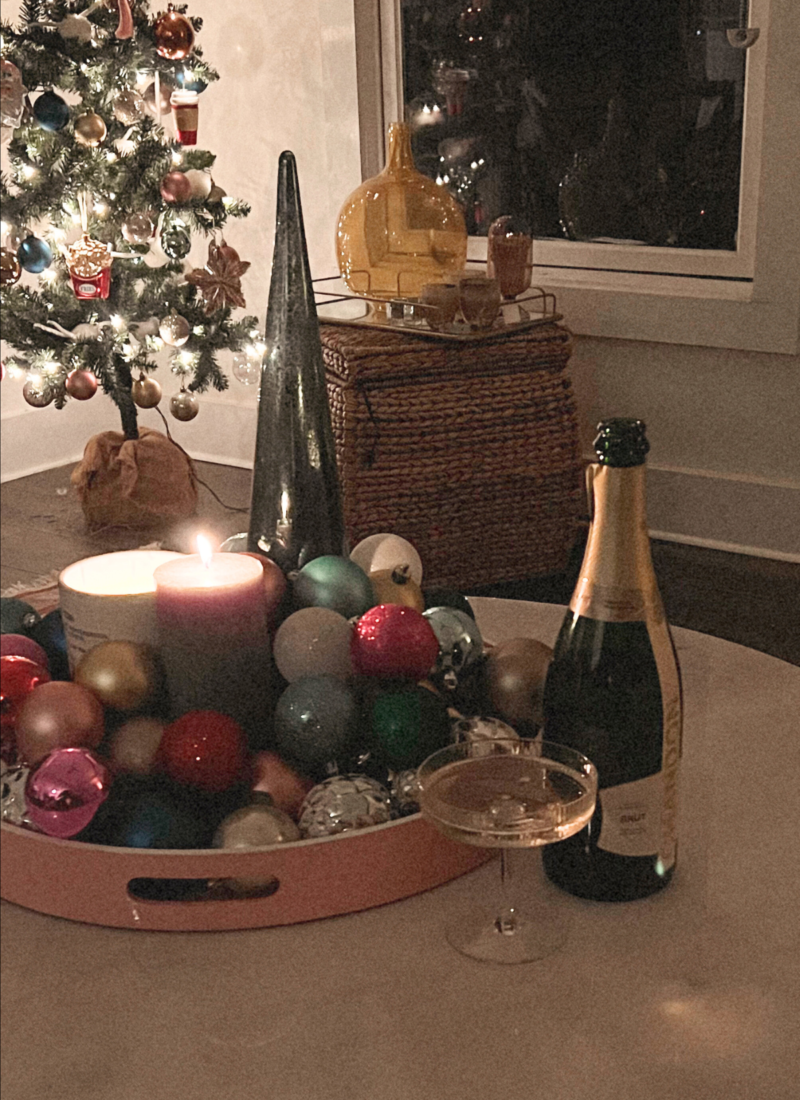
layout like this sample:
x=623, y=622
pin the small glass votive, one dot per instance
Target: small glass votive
x=441, y=300
x=185, y=111
x=509, y=256
x=479, y=298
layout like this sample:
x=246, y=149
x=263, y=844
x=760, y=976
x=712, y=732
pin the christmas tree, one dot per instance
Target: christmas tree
x=104, y=194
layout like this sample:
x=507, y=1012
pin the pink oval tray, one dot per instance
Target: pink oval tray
x=316, y=878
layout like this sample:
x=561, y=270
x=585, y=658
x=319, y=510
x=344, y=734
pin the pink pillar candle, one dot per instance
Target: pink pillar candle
x=213, y=639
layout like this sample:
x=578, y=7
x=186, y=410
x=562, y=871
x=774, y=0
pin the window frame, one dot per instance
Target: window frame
x=748, y=299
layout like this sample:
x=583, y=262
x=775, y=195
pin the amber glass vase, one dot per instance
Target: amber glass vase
x=400, y=230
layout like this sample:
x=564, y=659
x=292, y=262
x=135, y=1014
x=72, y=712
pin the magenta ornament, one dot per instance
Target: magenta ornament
x=65, y=791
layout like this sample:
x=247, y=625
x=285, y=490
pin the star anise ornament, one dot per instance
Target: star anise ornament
x=219, y=282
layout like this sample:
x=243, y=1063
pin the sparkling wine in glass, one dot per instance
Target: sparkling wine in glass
x=521, y=793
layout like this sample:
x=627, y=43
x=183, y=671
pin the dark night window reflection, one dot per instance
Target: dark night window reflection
x=610, y=120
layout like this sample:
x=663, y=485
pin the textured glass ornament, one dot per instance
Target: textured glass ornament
x=344, y=802
x=176, y=242
x=482, y=729
x=12, y=795
x=295, y=509
x=400, y=230
x=405, y=791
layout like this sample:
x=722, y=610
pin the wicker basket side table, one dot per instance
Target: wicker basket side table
x=467, y=449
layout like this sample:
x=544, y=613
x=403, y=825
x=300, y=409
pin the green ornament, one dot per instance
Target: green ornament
x=16, y=616
x=408, y=724
x=336, y=583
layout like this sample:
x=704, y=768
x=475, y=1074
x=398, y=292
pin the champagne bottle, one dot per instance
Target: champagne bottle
x=613, y=689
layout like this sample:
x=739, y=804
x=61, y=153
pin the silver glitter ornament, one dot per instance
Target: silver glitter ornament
x=344, y=802
x=12, y=795
x=405, y=791
x=482, y=729
x=128, y=107
x=184, y=405
x=460, y=642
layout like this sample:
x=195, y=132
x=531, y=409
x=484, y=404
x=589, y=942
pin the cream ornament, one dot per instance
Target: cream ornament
x=201, y=183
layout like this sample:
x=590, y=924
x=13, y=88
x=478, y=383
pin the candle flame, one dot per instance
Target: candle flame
x=204, y=550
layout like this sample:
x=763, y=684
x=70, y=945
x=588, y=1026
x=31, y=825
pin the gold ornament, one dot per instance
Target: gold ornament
x=90, y=129
x=516, y=670
x=219, y=282
x=397, y=586
x=184, y=405
x=174, y=330
x=174, y=35
x=146, y=392
x=122, y=675
x=10, y=269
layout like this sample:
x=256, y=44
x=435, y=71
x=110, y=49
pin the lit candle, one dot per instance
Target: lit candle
x=110, y=597
x=213, y=638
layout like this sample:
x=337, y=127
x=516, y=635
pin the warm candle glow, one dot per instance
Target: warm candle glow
x=204, y=550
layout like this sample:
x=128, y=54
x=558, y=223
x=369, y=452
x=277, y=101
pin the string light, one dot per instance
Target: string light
x=28, y=171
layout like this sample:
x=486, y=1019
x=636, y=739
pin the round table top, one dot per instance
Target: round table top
x=688, y=995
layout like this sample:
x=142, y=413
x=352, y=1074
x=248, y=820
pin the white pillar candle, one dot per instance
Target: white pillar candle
x=110, y=597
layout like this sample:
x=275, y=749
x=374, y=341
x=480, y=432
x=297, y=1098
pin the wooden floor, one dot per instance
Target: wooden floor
x=754, y=601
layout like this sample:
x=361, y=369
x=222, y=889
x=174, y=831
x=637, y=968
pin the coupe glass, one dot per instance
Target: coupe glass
x=504, y=793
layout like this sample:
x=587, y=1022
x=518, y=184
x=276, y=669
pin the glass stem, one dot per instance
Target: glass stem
x=506, y=920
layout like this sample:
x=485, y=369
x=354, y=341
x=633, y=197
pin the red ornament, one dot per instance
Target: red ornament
x=18, y=678
x=81, y=384
x=204, y=749
x=174, y=35
x=391, y=640
x=176, y=187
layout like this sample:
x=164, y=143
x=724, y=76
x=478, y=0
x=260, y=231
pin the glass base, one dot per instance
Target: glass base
x=518, y=936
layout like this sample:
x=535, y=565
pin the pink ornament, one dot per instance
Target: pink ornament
x=20, y=645
x=391, y=640
x=65, y=791
x=176, y=187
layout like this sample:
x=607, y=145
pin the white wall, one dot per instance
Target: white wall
x=724, y=463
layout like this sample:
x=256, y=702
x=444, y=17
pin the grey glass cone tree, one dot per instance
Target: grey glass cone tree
x=296, y=506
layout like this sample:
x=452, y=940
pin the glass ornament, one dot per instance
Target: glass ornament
x=138, y=228
x=12, y=95
x=190, y=81
x=204, y=749
x=51, y=111
x=90, y=130
x=122, y=675
x=296, y=508
x=246, y=367
x=174, y=35
x=146, y=392
x=482, y=729
x=165, y=90
x=81, y=385
x=404, y=791
x=58, y=714
x=314, y=722
x=174, y=330
x=19, y=676
x=386, y=551
x=65, y=791
x=344, y=802
x=394, y=641
x=176, y=242
x=460, y=642
x=37, y=393
x=34, y=254
x=313, y=640
x=20, y=645
x=399, y=230
x=447, y=597
x=128, y=107
x=336, y=583
x=509, y=255
x=13, y=809
x=184, y=406
x=10, y=269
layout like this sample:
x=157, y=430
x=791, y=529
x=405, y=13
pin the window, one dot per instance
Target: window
x=661, y=180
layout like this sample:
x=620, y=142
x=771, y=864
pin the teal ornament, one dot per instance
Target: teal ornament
x=49, y=633
x=314, y=723
x=408, y=724
x=34, y=254
x=176, y=242
x=51, y=111
x=149, y=812
x=16, y=616
x=335, y=583
x=460, y=643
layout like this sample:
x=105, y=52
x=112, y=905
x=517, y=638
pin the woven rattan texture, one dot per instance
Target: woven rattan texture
x=469, y=451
